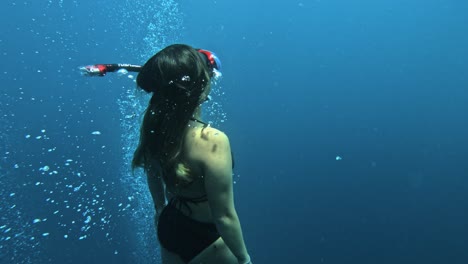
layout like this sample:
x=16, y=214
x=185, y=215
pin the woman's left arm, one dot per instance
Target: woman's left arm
x=157, y=189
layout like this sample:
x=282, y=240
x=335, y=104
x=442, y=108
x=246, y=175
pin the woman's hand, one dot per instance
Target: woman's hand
x=246, y=260
x=159, y=209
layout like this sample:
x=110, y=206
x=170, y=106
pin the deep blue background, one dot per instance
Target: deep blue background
x=381, y=84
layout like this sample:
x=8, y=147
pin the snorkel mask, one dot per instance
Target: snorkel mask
x=212, y=61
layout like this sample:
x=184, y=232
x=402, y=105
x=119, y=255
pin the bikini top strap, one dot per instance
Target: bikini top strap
x=199, y=121
x=184, y=201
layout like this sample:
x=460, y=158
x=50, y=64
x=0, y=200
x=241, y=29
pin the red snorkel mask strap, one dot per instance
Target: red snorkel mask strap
x=211, y=59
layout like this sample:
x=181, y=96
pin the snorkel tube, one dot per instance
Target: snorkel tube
x=100, y=70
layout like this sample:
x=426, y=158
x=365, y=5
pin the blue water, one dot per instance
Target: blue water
x=348, y=120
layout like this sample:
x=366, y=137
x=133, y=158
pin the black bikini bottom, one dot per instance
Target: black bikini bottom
x=183, y=235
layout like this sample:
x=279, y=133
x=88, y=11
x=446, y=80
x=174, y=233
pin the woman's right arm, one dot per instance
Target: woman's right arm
x=219, y=190
x=157, y=188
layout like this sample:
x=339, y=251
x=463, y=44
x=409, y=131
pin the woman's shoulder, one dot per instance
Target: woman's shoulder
x=213, y=135
x=207, y=140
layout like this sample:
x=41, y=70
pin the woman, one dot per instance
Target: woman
x=187, y=162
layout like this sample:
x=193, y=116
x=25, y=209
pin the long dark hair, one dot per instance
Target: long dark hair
x=177, y=76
